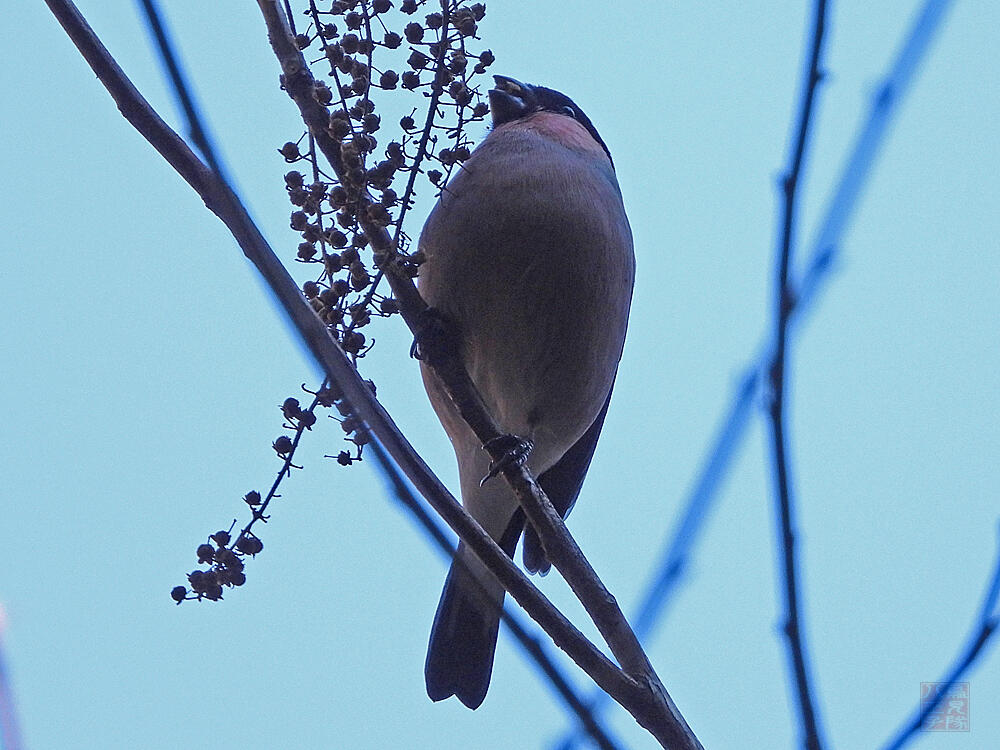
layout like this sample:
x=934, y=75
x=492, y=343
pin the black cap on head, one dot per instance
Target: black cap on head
x=511, y=100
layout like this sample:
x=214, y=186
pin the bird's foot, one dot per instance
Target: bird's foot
x=436, y=338
x=516, y=450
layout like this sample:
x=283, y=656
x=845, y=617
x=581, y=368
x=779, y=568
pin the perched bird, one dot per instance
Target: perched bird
x=528, y=255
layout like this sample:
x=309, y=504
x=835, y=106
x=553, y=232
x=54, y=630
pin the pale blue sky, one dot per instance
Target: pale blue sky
x=144, y=365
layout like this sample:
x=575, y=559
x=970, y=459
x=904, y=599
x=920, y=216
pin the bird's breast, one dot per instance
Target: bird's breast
x=529, y=251
x=565, y=131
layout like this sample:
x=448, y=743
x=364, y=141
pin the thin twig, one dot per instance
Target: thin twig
x=185, y=97
x=985, y=628
x=784, y=301
x=258, y=511
x=827, y=244
x=425, y=135
x=643, y=697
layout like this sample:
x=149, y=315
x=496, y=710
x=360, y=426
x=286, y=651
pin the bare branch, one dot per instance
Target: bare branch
x=785, y=303
x=185, y=97
x=642, y=695
x=589, y=724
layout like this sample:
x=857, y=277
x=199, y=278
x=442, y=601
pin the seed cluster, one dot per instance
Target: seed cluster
x=373, y=51
x=368, y=50
x=222, y=553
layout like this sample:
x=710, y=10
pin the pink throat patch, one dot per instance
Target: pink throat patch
x=560, y=128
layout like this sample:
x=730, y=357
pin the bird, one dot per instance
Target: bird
x=528, y=259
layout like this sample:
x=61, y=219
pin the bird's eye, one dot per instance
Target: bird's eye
x=568, y=111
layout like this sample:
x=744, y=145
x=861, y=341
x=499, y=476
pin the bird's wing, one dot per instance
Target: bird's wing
x=562, y=483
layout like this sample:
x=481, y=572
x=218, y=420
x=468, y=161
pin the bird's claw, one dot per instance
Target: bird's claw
x=516, y=450
x=435, y=338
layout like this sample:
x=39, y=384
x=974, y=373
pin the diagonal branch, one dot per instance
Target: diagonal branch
x=559, y=545
x=220, y=200
x=185, y=97
x=589, y=725
x=639, y=691
x=785, y=303
x=675, y=557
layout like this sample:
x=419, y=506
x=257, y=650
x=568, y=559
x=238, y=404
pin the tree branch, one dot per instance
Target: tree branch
x=784, y=302
x=559, y=545
x=335, y=363
x=642, y=695
x=185, y=98
x=589, y=724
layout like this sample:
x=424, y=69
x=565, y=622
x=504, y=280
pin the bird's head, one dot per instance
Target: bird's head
x=511, y=101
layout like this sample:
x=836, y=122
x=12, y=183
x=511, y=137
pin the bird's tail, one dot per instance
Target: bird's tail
x=464, y=634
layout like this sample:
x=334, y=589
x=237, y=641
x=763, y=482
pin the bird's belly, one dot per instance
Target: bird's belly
x=541, y=319
x=544, y=359
x=529, y=252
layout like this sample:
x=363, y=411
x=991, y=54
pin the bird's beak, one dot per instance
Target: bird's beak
x=510, y=100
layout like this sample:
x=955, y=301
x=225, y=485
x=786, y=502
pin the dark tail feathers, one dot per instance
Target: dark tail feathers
x=464, y=634
x=463, y=640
